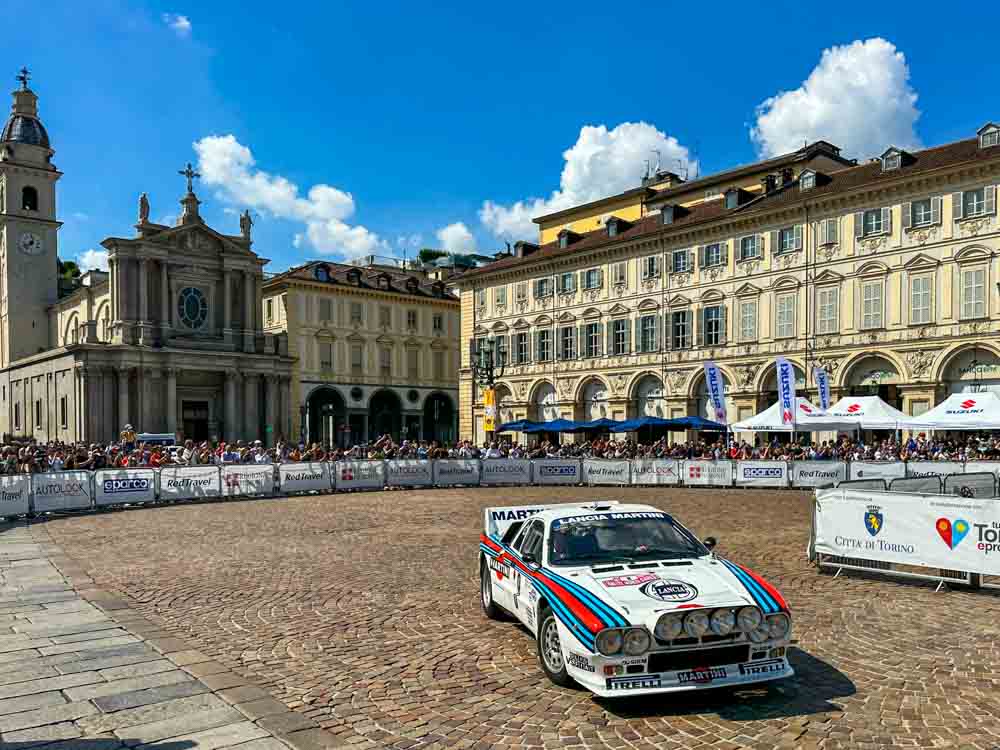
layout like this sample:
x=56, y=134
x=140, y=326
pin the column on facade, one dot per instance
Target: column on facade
x=113, y=271
x=286, y=407
x=252, y=423
x=164, y=298
x=124, y=373
x=143, y=290
x=106, y=421
x=270, y=410
x=258, y=313
x=171, y=399
x=248, y=317
x=231, y=424
x=227, y=300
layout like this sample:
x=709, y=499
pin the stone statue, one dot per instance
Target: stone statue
x=246, y=224
x=143, y=209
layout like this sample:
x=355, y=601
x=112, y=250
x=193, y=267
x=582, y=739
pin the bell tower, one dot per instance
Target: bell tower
x=28, y=229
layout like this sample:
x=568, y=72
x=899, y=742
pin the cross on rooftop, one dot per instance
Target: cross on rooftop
x=190, y=174
x=24, y=76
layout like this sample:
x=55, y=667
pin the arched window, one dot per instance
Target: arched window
x=29, y=199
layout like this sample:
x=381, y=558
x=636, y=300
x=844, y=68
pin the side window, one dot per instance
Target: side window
x=519, y=539
x=533, y=541
x=511, y=532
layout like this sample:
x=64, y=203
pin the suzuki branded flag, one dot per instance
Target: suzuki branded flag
x=716, y=391
x=823, y=386
x=786, y=390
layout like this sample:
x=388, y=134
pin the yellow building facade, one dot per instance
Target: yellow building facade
x=375, y=348
x=886, y=273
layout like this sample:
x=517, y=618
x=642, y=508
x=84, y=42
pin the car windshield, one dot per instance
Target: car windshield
x=619, y=537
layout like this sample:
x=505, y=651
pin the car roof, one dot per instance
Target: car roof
x=599, y=507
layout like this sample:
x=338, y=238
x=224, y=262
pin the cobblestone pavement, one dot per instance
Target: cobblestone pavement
x=77, y=674
x=361, y=612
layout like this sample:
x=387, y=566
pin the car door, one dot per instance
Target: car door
x=502, y=572
x=523, y=590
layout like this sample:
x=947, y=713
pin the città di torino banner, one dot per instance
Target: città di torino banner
x=933, y=531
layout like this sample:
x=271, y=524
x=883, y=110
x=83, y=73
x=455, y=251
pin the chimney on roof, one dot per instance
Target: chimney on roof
x=767, y=183
x=787, y=175
x=522, y=248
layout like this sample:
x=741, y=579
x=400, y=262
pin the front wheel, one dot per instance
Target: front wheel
x=490, y=607
x=550, y=652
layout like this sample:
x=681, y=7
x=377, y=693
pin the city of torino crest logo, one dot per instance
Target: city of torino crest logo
x=873, y=519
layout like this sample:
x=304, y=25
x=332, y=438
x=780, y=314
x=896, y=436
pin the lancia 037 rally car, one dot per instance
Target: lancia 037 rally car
x=624, y=600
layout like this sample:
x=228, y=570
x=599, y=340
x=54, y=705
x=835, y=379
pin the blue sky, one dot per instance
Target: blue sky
x=354, y=128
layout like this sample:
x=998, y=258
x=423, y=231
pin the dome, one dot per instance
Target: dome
x=25, y=129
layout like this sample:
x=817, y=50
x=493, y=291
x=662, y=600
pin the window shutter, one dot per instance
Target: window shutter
x=956, y=205
x=538, y=345
x=833, y=226
x=600, y=278
x=724, y=251
x=798, y=236
x=628, y=335
x=935, y=210
x=656, y=332
x=723, y=325
x=557, y=344
x=699, y=338
x=774, y=243
x=610, y=338
x=760, y=246
x=887, y=220
x=668, y=342
x=859, y=224
x=701, y=256
x=991, y=199
x=907, y=215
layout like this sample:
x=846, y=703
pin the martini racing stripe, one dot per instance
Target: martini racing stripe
x=761, y=597
x=581, y=593
x=775, y=594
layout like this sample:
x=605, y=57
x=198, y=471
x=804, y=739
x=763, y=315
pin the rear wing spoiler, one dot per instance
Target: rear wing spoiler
x=496, y=521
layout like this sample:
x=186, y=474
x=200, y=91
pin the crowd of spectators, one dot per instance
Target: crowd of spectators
x=28, y=457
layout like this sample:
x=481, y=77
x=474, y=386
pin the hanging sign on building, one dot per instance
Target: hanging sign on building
x=489, y=410
x=714, y=383
x=786, y=390
x=823, y=386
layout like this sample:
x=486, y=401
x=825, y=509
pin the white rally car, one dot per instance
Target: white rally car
x=624, y=600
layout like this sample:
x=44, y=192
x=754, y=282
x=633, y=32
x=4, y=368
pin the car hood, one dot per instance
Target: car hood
x=641, y=592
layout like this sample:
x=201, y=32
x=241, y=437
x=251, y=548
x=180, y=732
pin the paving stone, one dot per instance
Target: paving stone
x=55, y=631
x=43, y=685
x=153, y=695
x=286, y=723
x=183, y=658
x=29, y=702
x=47, y=715
x=210, y=739
x=206, y=668
x=43, y=735
x=191, y=722
x=167, y=645
x=26, y=673
x=87, y=743
x=99, y=690
x=118, y=657
x=264, y=743
x=137, y=670
x=64, y=648
x=150, y=713
x=311, y=739
x=223, y=680
x=260, y=708
x=91, y=635
x=243, y=694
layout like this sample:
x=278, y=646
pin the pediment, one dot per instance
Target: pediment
x=711, y=295
x=591, y=312
x=199, y=238
x=678, y=300
x=566, y=317
x=873, y=268
x=499, y=326
x=522, y=323
x=829, y=277
x=384, y=340
x=355, y=338
x=921, y=261
x=619, y=309
x=325, y=333
x=412, y=341
x=543, y=320
x=648, y=304
x=479, y=331
x=973, y=252
x=748, y=290
x=787, y=282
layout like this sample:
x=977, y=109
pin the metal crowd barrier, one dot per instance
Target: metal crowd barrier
x=21, y=494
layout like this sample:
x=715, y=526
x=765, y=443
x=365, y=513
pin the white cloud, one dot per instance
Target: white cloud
x=601, y=163
x=859, y=97
x=229, y=166
x=180, y=25
x=409, y=241
x=456, y=238
x=93, y=260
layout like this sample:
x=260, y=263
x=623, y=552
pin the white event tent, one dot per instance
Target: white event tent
x=807, y=419
x=961, y=411
x=869, y=413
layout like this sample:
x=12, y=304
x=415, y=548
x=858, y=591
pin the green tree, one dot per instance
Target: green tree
x=68, y=269
x=429, y=255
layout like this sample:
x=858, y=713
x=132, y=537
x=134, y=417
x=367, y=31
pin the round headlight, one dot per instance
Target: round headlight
x=748, y=618
x=669, y=626
x=609, y=642
x=778, y=625
x=636, y=641
x=722, y=621
x=696, y=623
x=759, y=635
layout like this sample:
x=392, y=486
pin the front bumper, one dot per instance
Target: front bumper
x=594, y=676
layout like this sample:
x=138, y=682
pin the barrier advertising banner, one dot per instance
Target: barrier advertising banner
x=499, y=471
x=933, y=531
x=124, y=486
x=974, y=467
x=14, y=493
x=64, y=490
x=456, y=471
x=188, y=482
x=708, y=472
x=762, y=474
x=247, y=479
x=605, y=472
x=877, y=470
x=359, y=475
x=656, y=471
x=305, y=477
x=557, y=471
x=818, y=473
x=934, y=468
x=409, y=473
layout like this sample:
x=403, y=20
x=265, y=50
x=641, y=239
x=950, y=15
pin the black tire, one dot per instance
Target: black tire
x=554, y=666
x=490, y=607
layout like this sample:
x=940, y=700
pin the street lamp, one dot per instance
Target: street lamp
x=488, y=357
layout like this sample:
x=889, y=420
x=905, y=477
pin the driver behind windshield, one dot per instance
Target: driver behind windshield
x=592, y=541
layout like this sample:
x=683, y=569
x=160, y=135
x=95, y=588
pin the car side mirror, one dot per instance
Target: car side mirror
x=710, y=542
x=531, y=561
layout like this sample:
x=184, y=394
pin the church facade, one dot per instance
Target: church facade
x=170, y=340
